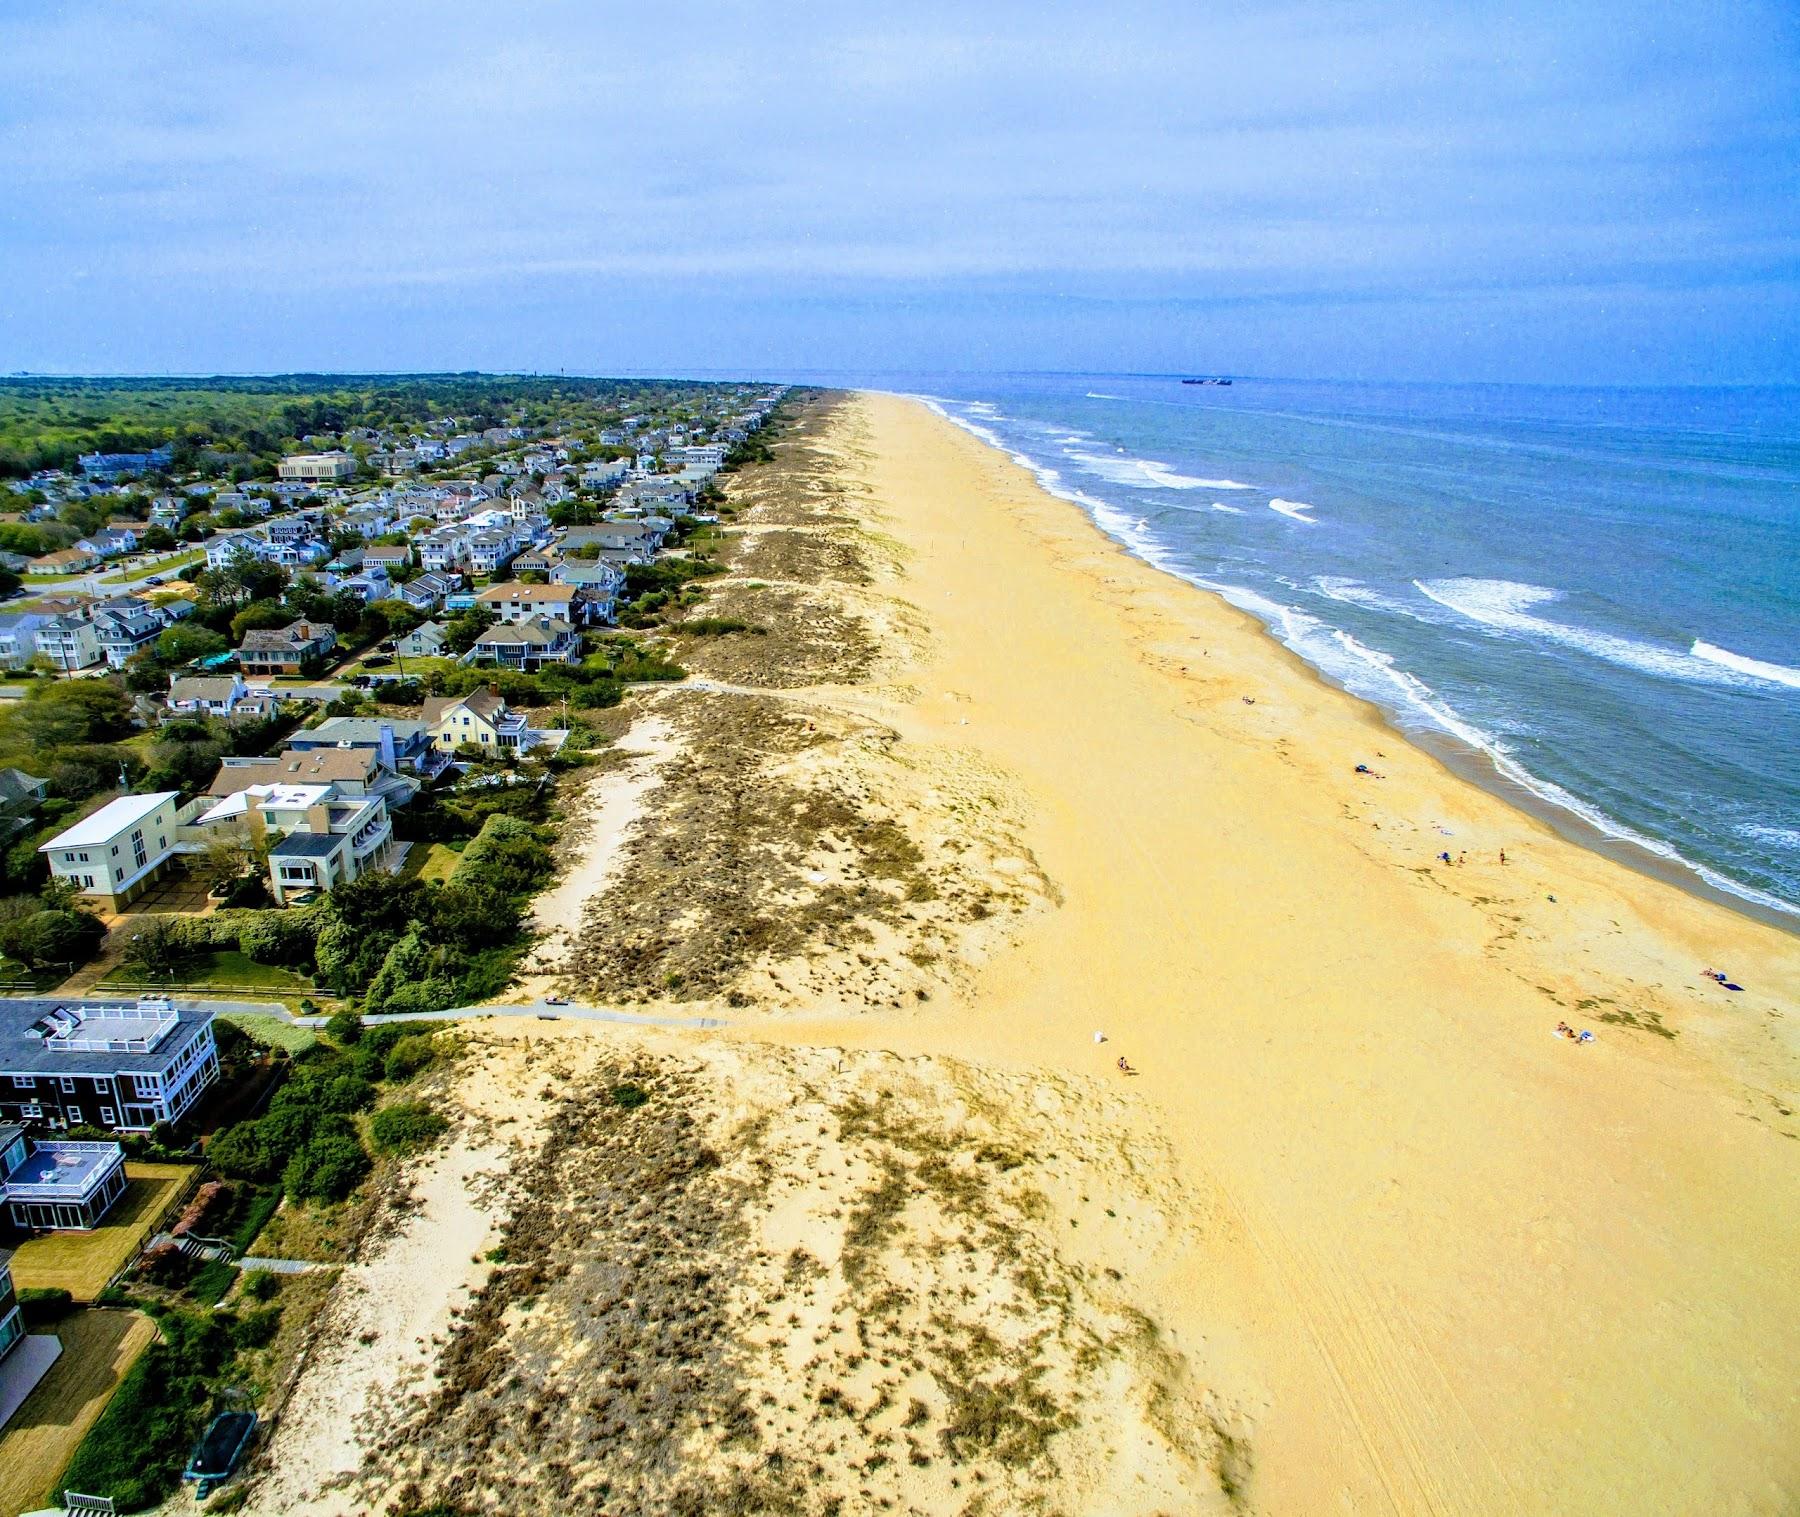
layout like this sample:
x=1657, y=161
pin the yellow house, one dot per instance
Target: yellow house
x=480, y=718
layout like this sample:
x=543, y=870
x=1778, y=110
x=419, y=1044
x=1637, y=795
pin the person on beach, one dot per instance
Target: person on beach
x=1124, y=1068
x=1445, y=855
x=1502, y=855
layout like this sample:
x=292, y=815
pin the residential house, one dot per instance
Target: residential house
x=425, y=641
x=400, y=745
x=371, y=521
x=637, y=538
x=596, y=475
x=69, y=642
x=318, y=466
x=118, y=852
x=126, y=625
x=598, y=580
x=168, y=512
x=429, y=591
x=529, y=645
x=18, y=637
x=319, y=834
x=57, y=1183
x=282, y=650
x=481, y=718
x=491, y=551
x=205, y=695
x=20, y=796
x=388, y=556
x=517, y=602
x=66, y=561
x=535, y=561
x=126, y=1067
x=447, y=548
x=111, y=542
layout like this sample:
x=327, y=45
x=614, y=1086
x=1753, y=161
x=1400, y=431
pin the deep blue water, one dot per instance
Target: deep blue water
x=1600, y=588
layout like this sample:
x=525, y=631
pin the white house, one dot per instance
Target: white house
x=116, y=853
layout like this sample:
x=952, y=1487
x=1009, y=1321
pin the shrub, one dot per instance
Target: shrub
x=330, y=1166
x=43, y=1304
x=346, y=1093
x=211, y=1281
x=410, y=1055
x=344, y=1028
x=239, y=1151
x=261, y=1284
x=629, y=1097
x=256, y=1329
x=51, y=937
x=406, y=1126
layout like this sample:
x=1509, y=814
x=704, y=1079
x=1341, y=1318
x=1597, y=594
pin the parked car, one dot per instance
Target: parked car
x=376, y=660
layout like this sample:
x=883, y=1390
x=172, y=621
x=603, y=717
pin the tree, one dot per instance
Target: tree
x=329, y=1167
x=223, y=859
x=464, y=630
x=158, y=539
x=184, y=642
x=74, y=711
x=51, y=937
x=258, y=616
x=157, y=949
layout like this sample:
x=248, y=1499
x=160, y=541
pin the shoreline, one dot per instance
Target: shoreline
x=1348, y=1045
x=1463, y=757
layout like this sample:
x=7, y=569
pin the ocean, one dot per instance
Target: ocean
x=1598, y=589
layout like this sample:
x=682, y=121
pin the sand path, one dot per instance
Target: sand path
x=1462, y=1265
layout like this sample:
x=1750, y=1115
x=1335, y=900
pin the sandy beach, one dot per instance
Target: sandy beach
x=1357, y=1233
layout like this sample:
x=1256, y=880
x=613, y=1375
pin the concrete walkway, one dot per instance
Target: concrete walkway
x=281, y=1266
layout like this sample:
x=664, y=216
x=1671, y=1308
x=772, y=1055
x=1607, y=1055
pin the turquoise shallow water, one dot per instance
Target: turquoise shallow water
x=1598, y=588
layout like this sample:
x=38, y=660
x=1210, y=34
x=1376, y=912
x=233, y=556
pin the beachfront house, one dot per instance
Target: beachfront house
x=57, y=1183
x=69, y=642
x=480, y=718
x=513, y=602
x=400, y=744
x=529, y=645
x=425, y=641
x=123, y=1066
x=116, y=854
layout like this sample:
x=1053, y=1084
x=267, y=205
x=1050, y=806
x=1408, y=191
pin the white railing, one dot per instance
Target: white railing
x=58, y=1190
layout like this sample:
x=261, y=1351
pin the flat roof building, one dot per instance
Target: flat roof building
x=318, y=466
x=120, y=1065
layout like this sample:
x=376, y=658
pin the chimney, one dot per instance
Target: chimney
x=385, y=746
x=318, y=818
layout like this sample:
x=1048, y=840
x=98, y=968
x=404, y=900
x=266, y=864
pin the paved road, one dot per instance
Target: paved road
x=281, y=1013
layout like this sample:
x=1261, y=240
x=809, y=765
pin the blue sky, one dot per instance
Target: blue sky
x=1558, y=191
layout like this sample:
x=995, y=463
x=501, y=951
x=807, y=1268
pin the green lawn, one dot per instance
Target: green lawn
x=431, y=861
x=222, y=968
x=164, y=566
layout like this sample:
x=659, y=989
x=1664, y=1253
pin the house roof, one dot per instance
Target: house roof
x=280, y=639
x=486, y=704
x=109, y=821
x=361, y=731
x=16, y=785
x=21, y=1052
x=202, y=689
x=537, y=632
x=294, y=766
x=497, y=595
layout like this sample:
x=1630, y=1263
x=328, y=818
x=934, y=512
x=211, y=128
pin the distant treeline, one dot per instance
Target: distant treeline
x=225, y=424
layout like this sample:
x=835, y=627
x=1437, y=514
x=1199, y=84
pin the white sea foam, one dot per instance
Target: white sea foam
x=1353, y=592
x=1145, y=473
x=1763, y=832
x=1756, y=668
x=1294, y=508
x=1505, y=607
x=1374, y=675
x=1097, y=395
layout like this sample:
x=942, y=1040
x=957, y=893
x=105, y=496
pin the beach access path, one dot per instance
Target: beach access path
x=1457, y=1263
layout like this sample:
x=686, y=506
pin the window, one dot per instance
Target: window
x=107, y=1116
x=23, y=1082
x=67, y=1083
x=87, y=881
x=74, y=1113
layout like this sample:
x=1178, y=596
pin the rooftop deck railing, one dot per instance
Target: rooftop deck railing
x=63, y=1190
